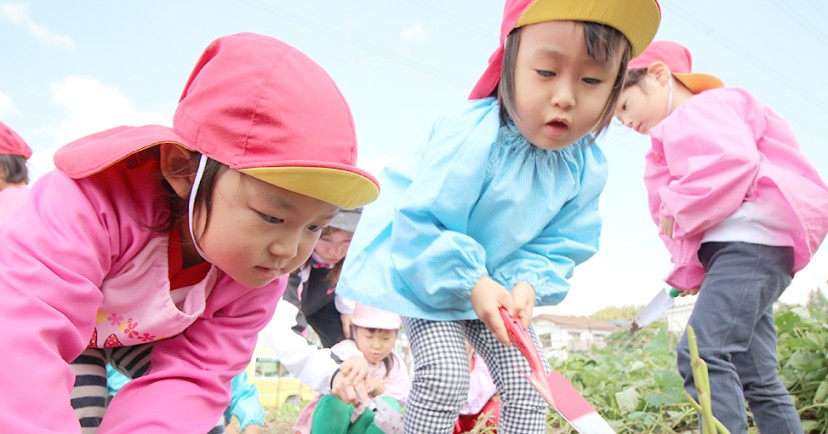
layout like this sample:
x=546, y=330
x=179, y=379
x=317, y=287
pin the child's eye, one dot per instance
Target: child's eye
x=624, y=106
x=272, y=220
x=592, y=81
x=546, y=74
x=316, y=228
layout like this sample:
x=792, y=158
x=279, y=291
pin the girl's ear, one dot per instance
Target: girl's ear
x=660, y=71
x=178, y=167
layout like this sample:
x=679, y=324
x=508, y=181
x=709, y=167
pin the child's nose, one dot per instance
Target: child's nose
x=563, y=97
x=285, y=246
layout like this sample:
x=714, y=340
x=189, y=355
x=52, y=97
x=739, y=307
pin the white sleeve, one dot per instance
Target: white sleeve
x=344, y=305
x=312, y=365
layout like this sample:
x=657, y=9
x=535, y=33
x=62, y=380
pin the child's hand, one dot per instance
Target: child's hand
x=523, y=295
x=686, y=292
x=346, y=324
x=375, y=387
x=486, y=298
x=349, y=382
x=666, y=225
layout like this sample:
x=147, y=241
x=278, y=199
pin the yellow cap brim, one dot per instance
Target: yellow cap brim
x=698, y=82
x=638, y=20
x=342, y=188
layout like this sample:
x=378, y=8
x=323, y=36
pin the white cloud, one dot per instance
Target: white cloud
x=93, y=106
x=18, y=13
x=7, y=105
x=90, y=106
x=414, y=33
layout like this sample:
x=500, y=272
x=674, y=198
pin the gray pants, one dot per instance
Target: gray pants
x=733, y=321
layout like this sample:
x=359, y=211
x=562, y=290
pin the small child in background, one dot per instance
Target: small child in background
x=14, y=175
x=740, y=209
x=501, y=204
x=164, y=250
x=312, y=289
x=373, y=333
x=483, y=400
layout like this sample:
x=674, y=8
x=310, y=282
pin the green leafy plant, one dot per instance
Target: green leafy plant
x=632, y=382
x=802, y=351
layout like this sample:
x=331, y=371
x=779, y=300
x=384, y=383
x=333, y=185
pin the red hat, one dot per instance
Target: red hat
x=12, y=144
x=261, y=107
x=638, y=20
x=677, y=58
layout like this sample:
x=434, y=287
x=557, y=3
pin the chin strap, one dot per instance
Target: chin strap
x=670, y=100
x=202, y=162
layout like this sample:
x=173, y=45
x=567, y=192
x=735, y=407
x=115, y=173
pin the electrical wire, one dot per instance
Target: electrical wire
x=343, y=37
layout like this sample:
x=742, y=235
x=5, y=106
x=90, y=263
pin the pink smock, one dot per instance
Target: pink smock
x=82, y=265
x=721, y=148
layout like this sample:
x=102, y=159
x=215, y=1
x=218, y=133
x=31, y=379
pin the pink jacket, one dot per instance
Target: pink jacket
x=10, y=199
x=715, y=151
x=81, y=265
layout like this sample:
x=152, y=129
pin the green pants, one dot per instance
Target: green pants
x=332, y=416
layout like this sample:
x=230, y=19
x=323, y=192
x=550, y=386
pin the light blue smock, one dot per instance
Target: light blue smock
x=479, y=200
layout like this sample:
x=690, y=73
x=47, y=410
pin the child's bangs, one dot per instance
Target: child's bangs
x=604, y=43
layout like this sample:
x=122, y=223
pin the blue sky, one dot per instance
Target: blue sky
x=73, y=68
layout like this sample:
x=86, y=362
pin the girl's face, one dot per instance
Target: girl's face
x=257, y=231
x=643, y=105
x=333, y=245
x=375, y=344
x=560, y=92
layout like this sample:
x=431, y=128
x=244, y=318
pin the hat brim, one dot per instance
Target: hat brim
x=96, y=152
x=346, y=189
x=637, y=20
x=698, y=82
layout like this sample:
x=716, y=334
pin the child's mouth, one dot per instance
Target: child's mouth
x=556, y=128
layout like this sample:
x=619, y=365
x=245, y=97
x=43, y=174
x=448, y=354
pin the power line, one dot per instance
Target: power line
x=750, y=58
x=343, y=37
x=802, y=21
x=456, y=20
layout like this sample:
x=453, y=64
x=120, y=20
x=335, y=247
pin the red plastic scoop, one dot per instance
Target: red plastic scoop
x=554, y=388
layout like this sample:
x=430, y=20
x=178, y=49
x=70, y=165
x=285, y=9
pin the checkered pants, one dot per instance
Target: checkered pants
x=441, y=378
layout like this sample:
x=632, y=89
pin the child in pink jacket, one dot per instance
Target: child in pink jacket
x=164, y=250
x=373, y=334
x=14, y=175
x=741, y=210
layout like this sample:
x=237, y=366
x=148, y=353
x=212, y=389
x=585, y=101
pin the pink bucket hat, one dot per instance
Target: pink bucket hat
x=677, y=58
x=638, y=20
x=373, y=318
x=259, y=106
x=12, y=144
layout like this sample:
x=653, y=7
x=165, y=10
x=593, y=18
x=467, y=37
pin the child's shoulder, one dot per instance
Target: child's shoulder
x=736, y=97
x=470, y=113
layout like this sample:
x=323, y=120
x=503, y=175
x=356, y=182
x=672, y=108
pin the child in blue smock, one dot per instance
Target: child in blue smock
x=500, y=205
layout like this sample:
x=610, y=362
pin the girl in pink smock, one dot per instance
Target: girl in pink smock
x=373, y=334
x=14, y=175
x=163, y=251
x=740, y=209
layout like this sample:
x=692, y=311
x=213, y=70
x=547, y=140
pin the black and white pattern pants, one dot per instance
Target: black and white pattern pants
x=441, y=378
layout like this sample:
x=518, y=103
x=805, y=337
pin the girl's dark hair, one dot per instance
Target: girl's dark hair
x=14, y=169
x=179, y=206
x=634, y=76
x=603, y=43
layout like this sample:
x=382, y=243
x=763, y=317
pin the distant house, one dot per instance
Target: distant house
x=561, y=335
x=678, y=316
